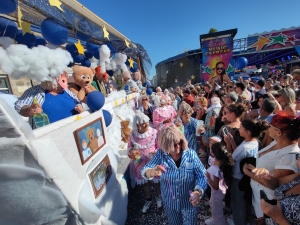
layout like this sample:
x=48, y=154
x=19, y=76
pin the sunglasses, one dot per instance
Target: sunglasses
x=220, y=68
x=179, y=143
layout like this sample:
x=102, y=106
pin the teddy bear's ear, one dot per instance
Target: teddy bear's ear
x=76, y=68
x=93, y=70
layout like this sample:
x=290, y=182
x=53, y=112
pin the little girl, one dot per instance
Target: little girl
x=218, y=175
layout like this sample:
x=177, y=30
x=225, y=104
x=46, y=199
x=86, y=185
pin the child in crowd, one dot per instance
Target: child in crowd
x=179, y=125
x=219, y=174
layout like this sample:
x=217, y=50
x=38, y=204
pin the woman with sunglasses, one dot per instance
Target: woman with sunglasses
x=182, y=176
x=279, y=157
x=220, y=75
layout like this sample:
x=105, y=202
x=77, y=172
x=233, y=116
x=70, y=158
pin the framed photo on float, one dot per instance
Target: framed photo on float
x=90, y=139
x=99, y=176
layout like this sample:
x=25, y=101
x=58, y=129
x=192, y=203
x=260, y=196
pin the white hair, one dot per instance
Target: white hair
x=139, y=118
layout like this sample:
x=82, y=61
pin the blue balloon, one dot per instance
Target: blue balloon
x=27, y=39
x=88, y=55
x=8, y=28
x=110, y=72
x=8, y=6
x=72, y=49
x=149, y=91
x=107, y=117
x=127, y=62
x=241, y=63
x=97, y=54
x=53, y=32
x=135, y=68
x=147, y=84
x=92, y=47
x=95, y=100
x=86, y=62
x=82, y=36
x=40, y=41
x=78, y=58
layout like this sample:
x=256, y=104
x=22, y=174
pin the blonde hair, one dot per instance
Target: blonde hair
x=169, y=136
x=202, y=102
x=288, y=94
x=184, y=108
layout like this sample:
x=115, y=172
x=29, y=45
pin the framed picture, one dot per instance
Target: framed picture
x=90, y=139
x=100, y=175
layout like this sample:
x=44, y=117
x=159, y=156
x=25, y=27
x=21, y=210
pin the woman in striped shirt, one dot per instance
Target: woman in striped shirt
x=180, y=172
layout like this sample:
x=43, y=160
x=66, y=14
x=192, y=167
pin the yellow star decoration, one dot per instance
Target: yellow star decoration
x=25, y=28
x=126, y=43
x=78, y=117
x=123, y=100
x=116, y=103
x=181, y=64
x=130, y=60
x=56, y=3
x=79, y=47
x=106, y=34
x=192, y=77
x=20, y=15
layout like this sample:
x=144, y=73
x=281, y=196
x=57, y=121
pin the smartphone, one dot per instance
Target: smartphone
x=225, y=131
x=265, y=197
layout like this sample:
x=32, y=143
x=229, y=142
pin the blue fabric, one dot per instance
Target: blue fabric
x=9, y=98
x=190, y=134
x=58, y=107
x=189, y=176
x=178, y=101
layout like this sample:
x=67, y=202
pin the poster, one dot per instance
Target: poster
x=217, y=54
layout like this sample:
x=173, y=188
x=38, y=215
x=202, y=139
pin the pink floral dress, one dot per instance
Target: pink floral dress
x=161, y=114
x=146, y=143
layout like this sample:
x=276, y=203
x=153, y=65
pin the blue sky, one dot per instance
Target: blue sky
x=168, y=27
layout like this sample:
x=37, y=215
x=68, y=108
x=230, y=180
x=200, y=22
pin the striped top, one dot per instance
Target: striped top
x=39, y=93
x=9, y=98
x=189, y=176
x=190, y=134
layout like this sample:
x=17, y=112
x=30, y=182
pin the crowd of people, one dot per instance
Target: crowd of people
x=236, y=143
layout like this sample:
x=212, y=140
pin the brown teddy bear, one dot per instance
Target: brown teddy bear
x=83, y=77
x=93, y=142
x=125, y=130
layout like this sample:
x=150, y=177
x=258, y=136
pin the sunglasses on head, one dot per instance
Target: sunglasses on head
x=220, y=68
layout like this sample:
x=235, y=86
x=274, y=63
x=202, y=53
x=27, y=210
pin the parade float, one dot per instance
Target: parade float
x=70, y=171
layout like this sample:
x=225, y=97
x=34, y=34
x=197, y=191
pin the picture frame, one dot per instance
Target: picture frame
x=100, y=175
x=90, y=139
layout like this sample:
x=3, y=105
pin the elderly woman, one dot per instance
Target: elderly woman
x=163, y=115
x=52, y=99
x=146, y=107
x=190, y=124
x=128, y=84
x=142, y=145
x=180, y=172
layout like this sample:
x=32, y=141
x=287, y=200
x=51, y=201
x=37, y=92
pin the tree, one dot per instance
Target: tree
x=212, y=30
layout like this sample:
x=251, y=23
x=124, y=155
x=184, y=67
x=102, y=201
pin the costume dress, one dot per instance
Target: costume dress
x=176, y=183
x=146, y=143
x=161, y=114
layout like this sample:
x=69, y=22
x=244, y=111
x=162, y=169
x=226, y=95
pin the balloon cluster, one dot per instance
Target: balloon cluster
x=147, y=85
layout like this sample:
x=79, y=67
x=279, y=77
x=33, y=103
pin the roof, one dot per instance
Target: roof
x=273, y=31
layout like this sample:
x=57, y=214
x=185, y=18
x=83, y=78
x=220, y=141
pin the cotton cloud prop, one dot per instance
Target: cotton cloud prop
x=120, y=60
x=39, y=63
x=104, y=57
x=94, y=62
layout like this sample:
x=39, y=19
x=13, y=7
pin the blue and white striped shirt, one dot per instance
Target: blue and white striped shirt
x=9, y=98
x=39, y=93
x=190, y=134
x=189, y=176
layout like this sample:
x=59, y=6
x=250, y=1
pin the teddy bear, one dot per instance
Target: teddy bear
x=125, y=130
x=93, y=142
x=83, y=77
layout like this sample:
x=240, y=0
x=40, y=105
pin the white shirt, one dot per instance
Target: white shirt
x=284, y=158
x=244, y=150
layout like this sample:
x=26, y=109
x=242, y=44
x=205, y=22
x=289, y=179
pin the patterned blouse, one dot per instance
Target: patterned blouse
x=290, y=203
